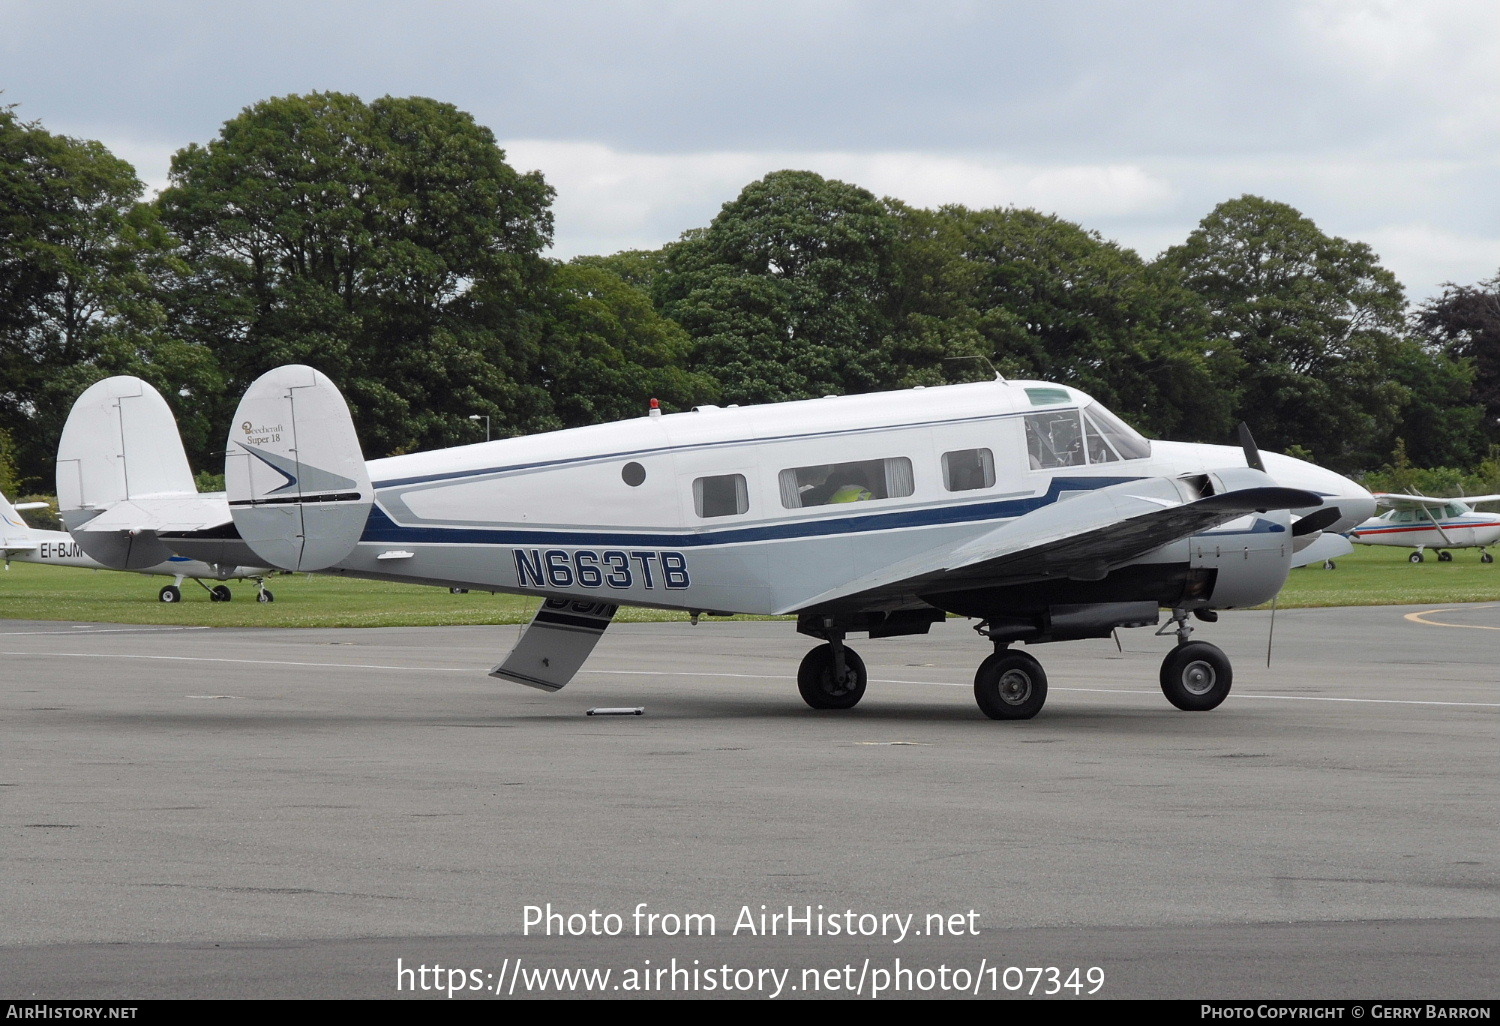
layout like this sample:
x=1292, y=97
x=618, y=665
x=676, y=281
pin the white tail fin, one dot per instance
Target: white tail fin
x=120, y=442
x=13, y=530
x=298, y=488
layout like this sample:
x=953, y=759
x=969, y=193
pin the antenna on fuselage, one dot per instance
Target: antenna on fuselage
x=983, y=359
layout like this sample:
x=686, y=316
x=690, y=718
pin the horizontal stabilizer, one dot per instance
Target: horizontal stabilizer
x=555, y=644
x=298, y=489
x=120, y=443
x=162, y=513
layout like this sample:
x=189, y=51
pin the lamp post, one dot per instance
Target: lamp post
x=486, y=419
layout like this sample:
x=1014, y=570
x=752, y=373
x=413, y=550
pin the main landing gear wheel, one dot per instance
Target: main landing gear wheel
x=265, y=596
x=1010, y=686
x=219, y=593
x=821, y=688
x=1444, y=556
x=1415, y=557
x=1485, y=557
x=171, y=593
x=1196, y=676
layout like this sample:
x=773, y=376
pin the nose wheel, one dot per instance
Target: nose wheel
x=1196, y=676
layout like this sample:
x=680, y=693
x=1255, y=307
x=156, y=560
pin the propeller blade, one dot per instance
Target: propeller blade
x=1252, y=451
x=1315, y=521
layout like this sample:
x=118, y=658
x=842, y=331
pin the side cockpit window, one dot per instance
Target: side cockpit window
x=1054, y=439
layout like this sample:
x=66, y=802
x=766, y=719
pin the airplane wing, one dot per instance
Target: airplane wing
x=1082, y=538
x=1393, y=500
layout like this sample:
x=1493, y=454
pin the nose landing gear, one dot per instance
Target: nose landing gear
x=1195, y=676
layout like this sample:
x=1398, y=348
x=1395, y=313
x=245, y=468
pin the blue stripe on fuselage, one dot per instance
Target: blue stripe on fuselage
x=381, y=528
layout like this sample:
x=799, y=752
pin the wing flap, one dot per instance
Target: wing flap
x=556, y=643
x=1082, y=537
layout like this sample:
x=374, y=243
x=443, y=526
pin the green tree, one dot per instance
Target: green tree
x=787, y=292
x=1315, y=319
x=607, y=352
x=1464, y=324
x=388, y=244
x=82, y=269
x=1052, y=300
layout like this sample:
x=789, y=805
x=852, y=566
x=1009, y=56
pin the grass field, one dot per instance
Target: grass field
x=1371, y=576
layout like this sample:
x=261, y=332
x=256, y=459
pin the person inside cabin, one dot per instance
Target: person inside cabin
x=817, y=489
x=848, y=488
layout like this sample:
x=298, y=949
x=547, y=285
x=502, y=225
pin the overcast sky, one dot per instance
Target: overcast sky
x=1379, y=120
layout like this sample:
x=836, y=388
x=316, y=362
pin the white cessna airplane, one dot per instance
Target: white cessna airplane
x=22, y=543
x=1024, y=504
x=120, y=464
x=1419, y=521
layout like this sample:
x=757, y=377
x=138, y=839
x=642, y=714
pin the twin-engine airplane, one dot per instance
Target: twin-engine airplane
x=1419, y=521
x=1024, y=504
x=22, y=543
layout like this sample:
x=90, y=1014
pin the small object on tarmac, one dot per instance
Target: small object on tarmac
x=634, y=710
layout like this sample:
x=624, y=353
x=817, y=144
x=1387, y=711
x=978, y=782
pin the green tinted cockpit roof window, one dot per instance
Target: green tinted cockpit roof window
x=1048, y=396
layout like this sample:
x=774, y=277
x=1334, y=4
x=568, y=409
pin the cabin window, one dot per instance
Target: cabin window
x=722, y=496
x=968, y=469
x=827, y=483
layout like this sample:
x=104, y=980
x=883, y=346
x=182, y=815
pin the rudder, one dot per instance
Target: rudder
x=298, y=488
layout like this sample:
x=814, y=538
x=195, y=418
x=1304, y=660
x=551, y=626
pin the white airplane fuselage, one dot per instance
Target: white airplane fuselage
x=616, y=512
x=1463, y=531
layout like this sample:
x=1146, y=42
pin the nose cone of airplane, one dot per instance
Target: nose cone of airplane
x=1354, y=503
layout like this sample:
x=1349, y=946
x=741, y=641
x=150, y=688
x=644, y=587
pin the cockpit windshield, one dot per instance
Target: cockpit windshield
x=1120, y=436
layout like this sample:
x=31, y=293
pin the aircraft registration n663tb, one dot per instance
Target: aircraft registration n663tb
x=1026, y=505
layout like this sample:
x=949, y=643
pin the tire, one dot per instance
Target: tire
x=1445, y=556
x=265, y=596
x=458, y=591
x=220, y=593
x=1010, y=686
x=1196, y=676
x=1485, y=557
x=1415, y=557
x=171, y=593
x=1329, y=564
x=816, y=683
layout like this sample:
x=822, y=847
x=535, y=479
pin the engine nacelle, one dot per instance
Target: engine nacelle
x=1249, y=558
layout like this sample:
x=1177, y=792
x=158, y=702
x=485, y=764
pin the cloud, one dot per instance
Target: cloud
x=609, y=200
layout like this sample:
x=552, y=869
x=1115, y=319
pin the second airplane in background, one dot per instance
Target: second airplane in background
x=1420, y=522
